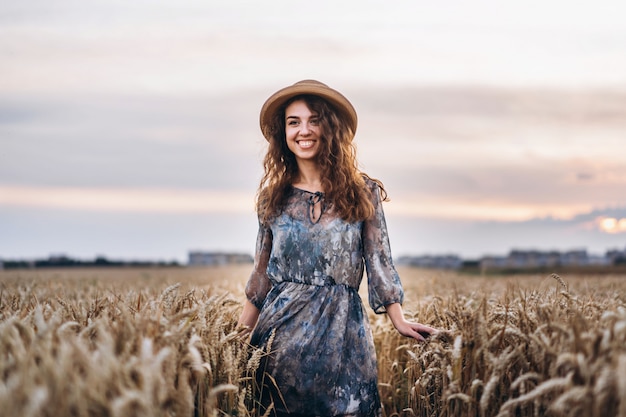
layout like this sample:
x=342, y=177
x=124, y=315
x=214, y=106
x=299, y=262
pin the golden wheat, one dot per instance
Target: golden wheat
x=162, y=342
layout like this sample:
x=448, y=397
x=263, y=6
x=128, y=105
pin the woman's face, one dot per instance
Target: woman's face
x=302, y=131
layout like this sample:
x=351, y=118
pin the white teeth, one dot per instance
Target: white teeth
x=305, y=143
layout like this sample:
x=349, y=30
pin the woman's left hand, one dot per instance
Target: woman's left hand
x=417, y=331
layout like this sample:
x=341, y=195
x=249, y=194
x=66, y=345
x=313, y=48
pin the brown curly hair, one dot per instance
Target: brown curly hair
x=343, y=183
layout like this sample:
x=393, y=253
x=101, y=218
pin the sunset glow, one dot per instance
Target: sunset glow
x=128, y=199
x=612, y=225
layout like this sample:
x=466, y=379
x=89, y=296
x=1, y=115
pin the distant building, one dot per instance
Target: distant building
x=616, y=256
x=575, y=258
x=533, y=259
x=597, y=260
x=433, y=262
x=519, y=259
x=201, y=258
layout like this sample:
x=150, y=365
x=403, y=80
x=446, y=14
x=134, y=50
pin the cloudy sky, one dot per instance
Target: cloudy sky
x=129, y=129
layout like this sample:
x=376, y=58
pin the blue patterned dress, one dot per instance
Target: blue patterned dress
x=305, y=283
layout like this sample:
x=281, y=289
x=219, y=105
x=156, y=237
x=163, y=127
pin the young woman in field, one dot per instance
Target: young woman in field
x=321, y=223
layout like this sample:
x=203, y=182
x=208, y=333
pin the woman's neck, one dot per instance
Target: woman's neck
x=309, y=178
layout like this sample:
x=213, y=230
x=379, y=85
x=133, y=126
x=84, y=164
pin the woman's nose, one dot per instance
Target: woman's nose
x=305, y=129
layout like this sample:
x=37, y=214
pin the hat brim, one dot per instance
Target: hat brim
x=312, y=87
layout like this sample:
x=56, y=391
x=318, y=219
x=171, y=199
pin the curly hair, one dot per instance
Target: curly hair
x=343, y=183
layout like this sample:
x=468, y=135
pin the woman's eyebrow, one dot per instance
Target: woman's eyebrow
x=313, y=116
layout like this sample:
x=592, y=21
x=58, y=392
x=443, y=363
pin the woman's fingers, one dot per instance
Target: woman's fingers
x=423, y=331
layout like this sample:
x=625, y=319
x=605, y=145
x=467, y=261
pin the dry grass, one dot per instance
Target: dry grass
x=161, y=342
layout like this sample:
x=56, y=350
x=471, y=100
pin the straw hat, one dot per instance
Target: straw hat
x=312, y=87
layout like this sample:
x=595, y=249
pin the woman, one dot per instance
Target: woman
x=321, y=224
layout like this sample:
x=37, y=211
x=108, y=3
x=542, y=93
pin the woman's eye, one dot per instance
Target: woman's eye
x=292, y=123
x=315, y=122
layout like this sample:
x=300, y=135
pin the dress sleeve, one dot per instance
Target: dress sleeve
x=259, y=284
x=384, y=286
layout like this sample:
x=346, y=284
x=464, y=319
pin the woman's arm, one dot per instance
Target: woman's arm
x=417, y=331
x=258, y=284
x=248, y=317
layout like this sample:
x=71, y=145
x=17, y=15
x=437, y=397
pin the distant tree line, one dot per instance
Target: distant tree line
x=67, y=262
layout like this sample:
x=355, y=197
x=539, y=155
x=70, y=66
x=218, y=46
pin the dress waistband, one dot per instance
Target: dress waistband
x=327, y=281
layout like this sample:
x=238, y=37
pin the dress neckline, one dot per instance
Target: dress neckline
x=321, y=193
x=314, y=198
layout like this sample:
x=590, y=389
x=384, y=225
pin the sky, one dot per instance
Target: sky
x=129, y=129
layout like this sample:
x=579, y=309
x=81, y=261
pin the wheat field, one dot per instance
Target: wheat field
x=162, y=342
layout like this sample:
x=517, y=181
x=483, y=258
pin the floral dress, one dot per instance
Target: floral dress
x=305, y=282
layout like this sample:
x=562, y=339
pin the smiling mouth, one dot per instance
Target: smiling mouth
x=306, y=143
